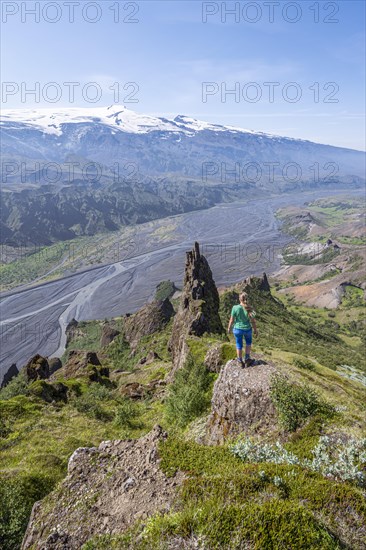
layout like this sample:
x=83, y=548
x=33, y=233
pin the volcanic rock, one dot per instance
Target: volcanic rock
x=150, y=319
x=199, y=308
x=37, y=369
x=107, y=488
x=11, y=373
x=241, y=402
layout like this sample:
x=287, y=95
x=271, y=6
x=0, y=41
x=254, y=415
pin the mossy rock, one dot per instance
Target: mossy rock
x=97, y=373
x=49, y=392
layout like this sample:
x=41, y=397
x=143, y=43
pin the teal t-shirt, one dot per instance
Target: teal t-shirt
x=242, y=317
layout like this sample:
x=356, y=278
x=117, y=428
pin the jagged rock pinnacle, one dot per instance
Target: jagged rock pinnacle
x=199, y=308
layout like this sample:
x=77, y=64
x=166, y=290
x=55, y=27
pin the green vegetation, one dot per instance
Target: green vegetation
x=337, y=459
x=353, y=297
x=255, y=498
x=17, y=386
x=296, y=329
x=303, y=364
x=189, y=393
x=292, y=257
x=32, y=265
x=295, y=403
x=346, y=239
x=164, y=290
x=328, y=275
x=229, y=504
x=126, y=414
x=37, y=438
x=17, y=496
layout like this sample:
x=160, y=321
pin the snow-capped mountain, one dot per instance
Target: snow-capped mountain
x=159, y=146
x=68, y=172
x=116, y=117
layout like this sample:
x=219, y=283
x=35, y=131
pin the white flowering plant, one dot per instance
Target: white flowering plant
x=335, y=459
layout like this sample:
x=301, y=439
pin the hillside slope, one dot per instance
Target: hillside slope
x=117, y=380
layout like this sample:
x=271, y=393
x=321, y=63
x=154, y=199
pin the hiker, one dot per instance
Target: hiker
x=243, y=319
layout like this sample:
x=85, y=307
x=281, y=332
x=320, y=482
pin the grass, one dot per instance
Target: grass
x=329, y=214
x=164, y=290
x=37, y=440
x=294, y=329
x=295, y=403
x=231, y=504
x=189, y=395
x=224, y=502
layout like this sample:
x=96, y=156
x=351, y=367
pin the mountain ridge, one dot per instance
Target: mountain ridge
x=97, y=170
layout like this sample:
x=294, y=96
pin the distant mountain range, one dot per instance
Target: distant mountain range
x=70, y=172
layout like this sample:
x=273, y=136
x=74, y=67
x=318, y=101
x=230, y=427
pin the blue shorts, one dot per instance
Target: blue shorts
x=239, y=333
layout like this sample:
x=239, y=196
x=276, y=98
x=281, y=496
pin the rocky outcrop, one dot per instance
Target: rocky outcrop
x=241, y=402
x=150, y=319
x=213, y=359
x=54, y=364
x=135, y=390
x=83, y=364
x=150, y=358
x=37, y=369
x=256, y=283
x=49, y=392
x=11, y=373
x=72, y=331
x=109, y=333
x=199, y=308
x=106, y=490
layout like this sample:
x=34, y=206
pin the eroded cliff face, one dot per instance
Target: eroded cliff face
x=199, y=308
x=106, y=490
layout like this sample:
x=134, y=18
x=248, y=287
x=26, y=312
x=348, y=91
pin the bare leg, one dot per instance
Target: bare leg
x=239, y=353
x=247, y=350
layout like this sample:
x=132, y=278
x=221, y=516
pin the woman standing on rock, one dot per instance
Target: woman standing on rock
x=243, y=319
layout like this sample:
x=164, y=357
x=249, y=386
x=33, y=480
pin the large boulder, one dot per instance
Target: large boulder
x=241, y=402
x=150, y=319
x=199, y=308
x=106, y=490
x=49, y=392
x=83, y=364
x=11, y=373
x=55, y=364
x=109, y=333
x=37, y=369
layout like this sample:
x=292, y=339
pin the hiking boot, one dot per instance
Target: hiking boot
x=240, y=361
x=249, y=362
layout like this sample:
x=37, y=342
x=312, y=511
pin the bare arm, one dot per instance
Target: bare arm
x=254, y=325
x=231, y=322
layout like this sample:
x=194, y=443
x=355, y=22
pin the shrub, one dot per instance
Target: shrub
x=335, y=459
x=17, y=496
x=303, y=364
x=188, y=396
x=227, y=301
x=164, y=290
x=249, y=451
x=99, y=392
x=125, y=414
x=88, y=404
x=17, y=386
x=340, y=460
x=5, y=429
x=296, y=402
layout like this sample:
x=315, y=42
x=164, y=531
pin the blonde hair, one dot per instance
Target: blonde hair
x=243, y=299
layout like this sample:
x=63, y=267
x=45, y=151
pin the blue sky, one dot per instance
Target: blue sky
x=169, y=54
